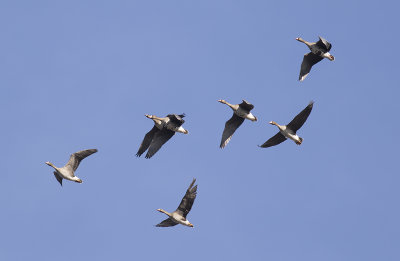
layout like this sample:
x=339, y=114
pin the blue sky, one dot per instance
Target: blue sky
x=82, y=74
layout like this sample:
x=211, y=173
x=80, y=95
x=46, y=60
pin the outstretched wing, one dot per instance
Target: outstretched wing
x=324, y=44
x=59, y=179
x=146, y=141
x=187, y=201
x=167, y=223
x=308, y=61
x=230, y=127
x=246, y=105
x=299, y=120
x=176, y=119
x=160, y=138
x=275, y=140
x=76, y=158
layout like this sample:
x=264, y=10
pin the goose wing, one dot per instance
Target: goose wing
x=275, y=140
x=159, y=139
x=308, y=61
x=76, y=158
x=187, y=201
x=146, y=141
x=299, y=120
x=177, y=119
x=59, y=179
x=167, y=223
x=246, y=105
x=230, y=127
x=324, y=44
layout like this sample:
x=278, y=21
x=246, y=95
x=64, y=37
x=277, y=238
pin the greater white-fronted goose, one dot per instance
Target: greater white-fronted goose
x=319, y=51
x=163, y=130
x=68, y=171
x=179, y=215
x=289, y=131
x=240, y=112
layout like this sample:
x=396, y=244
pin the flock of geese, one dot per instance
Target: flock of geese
x=165, y=128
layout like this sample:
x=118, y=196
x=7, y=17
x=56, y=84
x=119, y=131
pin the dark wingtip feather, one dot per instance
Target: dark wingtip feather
x=191, y=184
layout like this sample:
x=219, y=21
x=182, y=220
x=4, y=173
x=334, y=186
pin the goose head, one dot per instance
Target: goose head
x=222, y=101
x=50, y=164
x=272, y=123
x=149, y=116
x=299, y=39
x=163, y=211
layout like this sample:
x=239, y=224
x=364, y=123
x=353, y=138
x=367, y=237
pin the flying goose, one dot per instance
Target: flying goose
x=162, y=131
x=68, y=171
x=179, y=215
x=319, y=51
x=240, y=112
x=289, y=131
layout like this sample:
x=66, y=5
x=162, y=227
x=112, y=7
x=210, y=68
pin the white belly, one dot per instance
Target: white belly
x=327, y=55
x=244, y=114
x=64, y=174
x=180, y=219
x=290, y=135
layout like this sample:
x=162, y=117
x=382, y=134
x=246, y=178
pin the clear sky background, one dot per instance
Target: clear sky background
x=81, y=74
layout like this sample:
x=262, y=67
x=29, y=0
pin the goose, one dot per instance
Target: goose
x=240, y=112
x=179, y=215
x=319, y=51
x=68, y=171
x=162, y=131
x=289, y=131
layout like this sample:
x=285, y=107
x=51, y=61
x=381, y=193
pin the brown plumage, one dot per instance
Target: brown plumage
x=289, y=131
x=179, y=215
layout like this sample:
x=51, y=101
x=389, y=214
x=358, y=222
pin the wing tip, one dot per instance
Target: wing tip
x=191, y=184
x=302, y=77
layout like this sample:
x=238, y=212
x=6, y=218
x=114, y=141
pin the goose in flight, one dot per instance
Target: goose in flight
x=289, y=131
x=68, y=171
x=319, y=51
x=179, y=215
x=162, y=131
x=240, y=112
